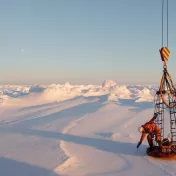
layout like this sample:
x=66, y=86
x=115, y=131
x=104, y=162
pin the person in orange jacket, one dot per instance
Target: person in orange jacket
x=152, y=130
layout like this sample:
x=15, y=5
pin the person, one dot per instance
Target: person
x=152, y=130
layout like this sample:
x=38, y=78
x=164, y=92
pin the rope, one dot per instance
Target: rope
x=168, y=86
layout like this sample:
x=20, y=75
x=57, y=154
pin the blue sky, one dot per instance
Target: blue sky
x=83, y=41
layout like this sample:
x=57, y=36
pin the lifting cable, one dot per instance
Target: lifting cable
x=163, y=23
x=164, y=51
x=167, y=23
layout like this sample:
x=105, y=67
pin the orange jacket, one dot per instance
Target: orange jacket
x=150, y=128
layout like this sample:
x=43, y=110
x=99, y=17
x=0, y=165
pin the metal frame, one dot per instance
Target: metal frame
x=163, y=106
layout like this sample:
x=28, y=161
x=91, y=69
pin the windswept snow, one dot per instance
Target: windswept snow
x=76, y=130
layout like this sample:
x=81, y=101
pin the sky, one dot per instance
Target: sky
x=84, y=41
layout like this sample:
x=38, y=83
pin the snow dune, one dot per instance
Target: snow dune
x=76, y=130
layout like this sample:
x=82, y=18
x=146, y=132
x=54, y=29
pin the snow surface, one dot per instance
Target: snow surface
x=76, y=130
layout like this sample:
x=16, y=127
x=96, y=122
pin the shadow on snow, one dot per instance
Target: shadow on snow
x=100, y=144
x=9, y=167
